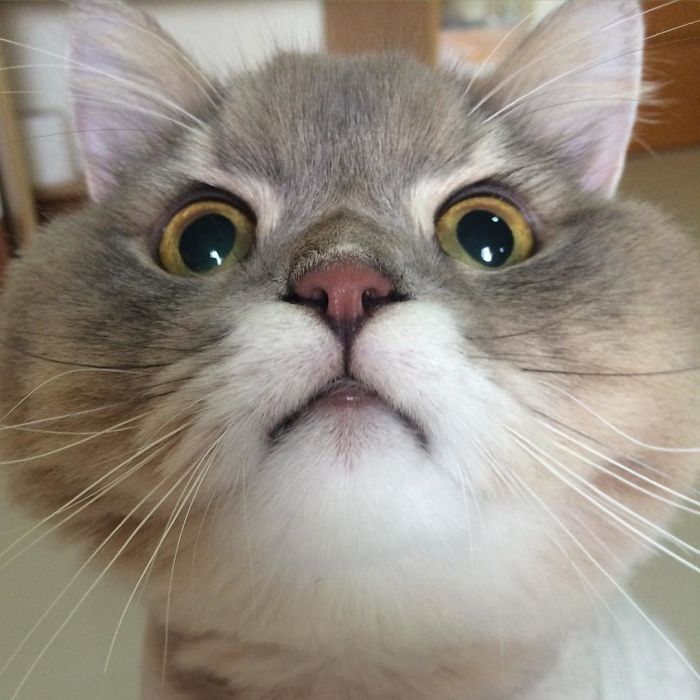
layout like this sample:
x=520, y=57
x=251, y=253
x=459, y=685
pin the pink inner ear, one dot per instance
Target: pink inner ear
x=109, y=136
x=606, y=161
x=131, y=82
x=100, y=147
x=576, y=82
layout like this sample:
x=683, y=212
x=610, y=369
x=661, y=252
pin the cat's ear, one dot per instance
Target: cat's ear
x=576, y=80
x=131, y=84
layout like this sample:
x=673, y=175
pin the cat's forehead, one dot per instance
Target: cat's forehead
x=351, y=123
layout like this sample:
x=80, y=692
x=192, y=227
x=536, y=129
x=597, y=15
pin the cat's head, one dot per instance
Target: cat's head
x=360, y=336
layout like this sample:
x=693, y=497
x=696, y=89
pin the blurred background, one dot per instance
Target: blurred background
x=41, y=175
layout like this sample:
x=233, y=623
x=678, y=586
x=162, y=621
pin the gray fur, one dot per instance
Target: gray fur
x=607, y=308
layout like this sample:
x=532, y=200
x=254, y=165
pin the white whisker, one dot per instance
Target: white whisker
x=85, y=498
x=532, y=451
x=100, y=100
x=77, y=443
x=495, y=49
x=211, y=454
x=191, y=474
x=74, y=433
x=75, y=577
x=206, y=86
x=53, y=379
x=541, y=57
x=639, y=443
x=131, y=84
x=84, y=494
x=64, y=416
x=506, y=475
x=582, y=100
x=200, y=529
x=637, y=487
x=581, y=68
x=127, y=542
x=679, y=654
x=251, y=566
x=658, y=472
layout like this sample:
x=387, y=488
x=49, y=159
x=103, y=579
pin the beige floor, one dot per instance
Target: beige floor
x=72, y=668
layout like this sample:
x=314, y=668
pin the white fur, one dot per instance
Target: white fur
x=348, y=534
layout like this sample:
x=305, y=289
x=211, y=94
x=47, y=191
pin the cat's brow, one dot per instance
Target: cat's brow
x=427, y=193
x=266, y=202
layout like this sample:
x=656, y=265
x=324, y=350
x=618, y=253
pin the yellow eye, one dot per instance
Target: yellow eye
x=485, y=232
x=205, y=237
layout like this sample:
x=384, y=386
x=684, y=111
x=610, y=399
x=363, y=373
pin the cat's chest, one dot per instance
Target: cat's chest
x=215, y=667
x=597, y=661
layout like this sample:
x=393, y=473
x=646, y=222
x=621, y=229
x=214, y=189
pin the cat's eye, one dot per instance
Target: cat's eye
x=486, y=232
x=206, y=236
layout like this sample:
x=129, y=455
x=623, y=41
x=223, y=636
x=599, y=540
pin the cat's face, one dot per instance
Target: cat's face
x=497, y=416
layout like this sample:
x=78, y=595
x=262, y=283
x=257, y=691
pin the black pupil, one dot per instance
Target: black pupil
x=486, y=237
x=207, y=242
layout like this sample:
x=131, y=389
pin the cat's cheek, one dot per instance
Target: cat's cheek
x=273, y=359
x=411, y=355
x=481, y=435
x=415, y=357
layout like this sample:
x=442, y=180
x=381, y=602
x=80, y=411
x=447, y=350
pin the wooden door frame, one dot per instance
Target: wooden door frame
x=353, y=26
x=19, y=210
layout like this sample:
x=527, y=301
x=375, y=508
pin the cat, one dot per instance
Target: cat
x=359, y=371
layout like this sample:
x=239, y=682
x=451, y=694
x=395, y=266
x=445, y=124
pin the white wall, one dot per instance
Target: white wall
x=222, y=34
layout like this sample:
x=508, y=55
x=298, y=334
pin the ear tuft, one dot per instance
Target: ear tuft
x=131, y=84
x=576, y=81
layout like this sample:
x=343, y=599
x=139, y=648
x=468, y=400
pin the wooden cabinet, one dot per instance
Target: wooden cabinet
x=4, y=248
x=383, y=25
x=672, y=64
x=18, y=218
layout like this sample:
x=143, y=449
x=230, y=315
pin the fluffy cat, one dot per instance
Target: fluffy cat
x=377, y=353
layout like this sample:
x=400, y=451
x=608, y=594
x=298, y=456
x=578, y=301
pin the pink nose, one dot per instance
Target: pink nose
x=345, y=292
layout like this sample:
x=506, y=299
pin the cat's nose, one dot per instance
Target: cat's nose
x=344, y=292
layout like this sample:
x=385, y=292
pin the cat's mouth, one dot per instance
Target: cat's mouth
x=345, y=394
